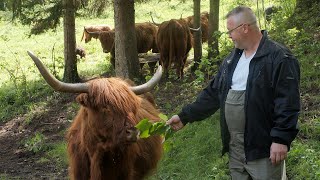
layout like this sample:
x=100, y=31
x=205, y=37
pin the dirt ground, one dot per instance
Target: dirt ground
x=17, y=162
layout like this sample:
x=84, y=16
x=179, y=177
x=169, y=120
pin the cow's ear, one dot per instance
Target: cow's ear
x=83, y=99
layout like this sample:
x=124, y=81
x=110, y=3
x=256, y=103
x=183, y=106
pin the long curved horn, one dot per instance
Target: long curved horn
x=148, y=86
x=157, y=24
x=83, y=87
x=195, y=30
x=93, y=33
x=56, y=84
x=84, y=28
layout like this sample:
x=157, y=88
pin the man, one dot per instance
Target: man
x=257, y=92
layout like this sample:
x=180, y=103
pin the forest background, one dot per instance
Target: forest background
x=34, y=118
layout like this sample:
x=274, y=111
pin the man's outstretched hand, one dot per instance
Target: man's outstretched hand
x=175, y=123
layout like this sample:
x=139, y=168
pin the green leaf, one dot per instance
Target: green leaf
x=158, y=128
x=163, y=117
x=144, y=134
x=147, y=128
x=144, y=125
x=168, y=133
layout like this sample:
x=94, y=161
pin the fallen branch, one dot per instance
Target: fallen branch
x=148, y=57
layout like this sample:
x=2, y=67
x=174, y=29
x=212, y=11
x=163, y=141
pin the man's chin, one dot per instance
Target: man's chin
x=237, y=46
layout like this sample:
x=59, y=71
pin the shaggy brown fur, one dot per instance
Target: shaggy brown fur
x=99, y=145
x=174, y=43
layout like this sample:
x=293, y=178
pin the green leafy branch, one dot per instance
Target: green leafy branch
x=148, y=128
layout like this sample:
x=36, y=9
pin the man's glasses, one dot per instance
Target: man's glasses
x=231, y=30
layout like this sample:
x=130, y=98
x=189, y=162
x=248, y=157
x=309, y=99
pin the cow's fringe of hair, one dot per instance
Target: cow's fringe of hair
x=113, y=92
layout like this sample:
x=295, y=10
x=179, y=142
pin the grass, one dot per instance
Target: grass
x=303, y=160
x=58, y=153
x=194, y=152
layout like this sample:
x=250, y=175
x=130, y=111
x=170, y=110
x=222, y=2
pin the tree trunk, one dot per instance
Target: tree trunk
x=70, y=67
x=16, y=8
x=2, y=6
x=126, y=54
x=197, y=37
x=213, y=28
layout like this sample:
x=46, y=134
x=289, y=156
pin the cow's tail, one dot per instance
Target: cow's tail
x=84, y=29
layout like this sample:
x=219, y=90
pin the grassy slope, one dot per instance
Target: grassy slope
x=193, y=153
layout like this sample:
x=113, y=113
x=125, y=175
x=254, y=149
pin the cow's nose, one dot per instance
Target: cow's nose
x=133, y=134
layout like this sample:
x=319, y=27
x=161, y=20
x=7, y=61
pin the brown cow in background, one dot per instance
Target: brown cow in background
x=88, y=34
x=81, y=52
x=204, y=23
x=174, y=43
x=145, y=35
x=102, y=142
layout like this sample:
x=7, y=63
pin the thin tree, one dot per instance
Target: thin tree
x=70, y=68
x=213, y=29
x=197, y=38
x=126, y=54
x=48, y=17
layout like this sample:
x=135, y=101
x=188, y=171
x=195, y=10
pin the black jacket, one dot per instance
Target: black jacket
x=272, y=101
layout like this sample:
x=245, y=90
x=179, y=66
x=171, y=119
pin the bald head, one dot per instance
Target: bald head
x=243, y=14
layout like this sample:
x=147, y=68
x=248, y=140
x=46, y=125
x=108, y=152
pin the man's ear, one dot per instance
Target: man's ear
x=246, y=28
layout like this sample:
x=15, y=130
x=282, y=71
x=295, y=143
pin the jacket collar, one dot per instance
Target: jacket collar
x=264, y=46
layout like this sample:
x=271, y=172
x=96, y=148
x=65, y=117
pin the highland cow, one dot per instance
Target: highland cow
x=174, y=43
x=102, y=139
x=88, y=34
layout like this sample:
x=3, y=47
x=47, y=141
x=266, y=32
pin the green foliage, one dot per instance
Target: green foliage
x=96, y=8
x=42, y=15
x=209, y=67
x=36, y=143
x=4, y=177
x=205, y=70
x=147, y=128
x=303, y=160
x=306, y=16
x=309, y=118
x=194, y=153
x=58, y=153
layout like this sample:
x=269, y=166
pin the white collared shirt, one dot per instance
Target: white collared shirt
x=240, y=75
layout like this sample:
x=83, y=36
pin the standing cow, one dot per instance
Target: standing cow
x=88, y=34
x=204, y=23
x=174, y=43
x=102, y=142
x=145, y=35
